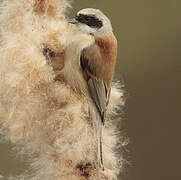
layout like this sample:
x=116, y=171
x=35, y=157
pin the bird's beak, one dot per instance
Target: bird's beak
x=72, y=21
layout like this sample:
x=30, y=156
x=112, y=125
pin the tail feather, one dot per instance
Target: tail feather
x=98, y=129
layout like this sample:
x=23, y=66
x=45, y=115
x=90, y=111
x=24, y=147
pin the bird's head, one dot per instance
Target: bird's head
x=92, y=21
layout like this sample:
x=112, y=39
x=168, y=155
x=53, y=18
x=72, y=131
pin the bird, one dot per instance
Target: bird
x=55, y=81
x=96, y=59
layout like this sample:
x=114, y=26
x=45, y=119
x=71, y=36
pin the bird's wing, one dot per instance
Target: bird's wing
x=99, y=95
x=99, y=89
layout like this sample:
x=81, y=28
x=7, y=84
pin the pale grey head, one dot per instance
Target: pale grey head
x=92, y=21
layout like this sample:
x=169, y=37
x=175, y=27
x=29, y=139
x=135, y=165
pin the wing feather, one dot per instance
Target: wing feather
x=98, y=88
x=98, y=94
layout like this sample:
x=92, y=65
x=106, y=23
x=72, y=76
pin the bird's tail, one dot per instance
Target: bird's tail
x=98, y=130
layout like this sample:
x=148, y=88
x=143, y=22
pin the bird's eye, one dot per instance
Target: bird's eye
x=90, y=20
x=48, y=53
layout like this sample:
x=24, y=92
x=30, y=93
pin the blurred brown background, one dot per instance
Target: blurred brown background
x=149, y=64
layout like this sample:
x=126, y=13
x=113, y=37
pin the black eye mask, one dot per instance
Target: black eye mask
x=90, y=20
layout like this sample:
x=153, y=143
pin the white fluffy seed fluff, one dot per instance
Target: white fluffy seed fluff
x=38, y=109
